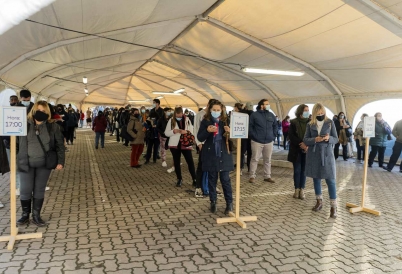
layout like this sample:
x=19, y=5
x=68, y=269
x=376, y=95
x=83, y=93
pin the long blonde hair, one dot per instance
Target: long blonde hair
x=317, y=107
x=34, y=109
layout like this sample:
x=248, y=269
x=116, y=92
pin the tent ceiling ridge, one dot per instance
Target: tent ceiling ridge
x=146, y=79
x=199, y=77
x=80, y=39
x=178, y=82
x=265, y=46
x=233, y=71
x=73, y=64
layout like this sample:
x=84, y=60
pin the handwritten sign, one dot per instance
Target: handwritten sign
x=13, y=121
x=239, y=125
x=369, y=127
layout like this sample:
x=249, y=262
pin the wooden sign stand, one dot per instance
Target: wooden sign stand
x=235, y=218
x=358, y=208
x=13, y=204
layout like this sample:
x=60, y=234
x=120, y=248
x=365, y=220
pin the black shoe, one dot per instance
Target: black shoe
x=194, y=183
x=37, y=207
x=386, y=168
x=26, y=210
x=213, y=207
x=96, y=147
x=179, y=183
x=154, y=161
x=229, y=208
x=381, y=166
x=146, y=162
x=159, y=157
x=137, y=166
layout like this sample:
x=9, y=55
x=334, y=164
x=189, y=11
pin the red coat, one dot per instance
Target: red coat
x=100, y=124
x=82, y=116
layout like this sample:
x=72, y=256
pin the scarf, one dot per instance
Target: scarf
x=301, y=125
x=217, y=138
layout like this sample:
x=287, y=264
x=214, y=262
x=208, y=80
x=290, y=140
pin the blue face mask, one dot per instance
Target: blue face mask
x=26, y=103
x=216, y=114
x=178, y=118
x=306, y=114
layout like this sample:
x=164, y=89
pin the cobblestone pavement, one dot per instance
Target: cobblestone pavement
x=104, y=217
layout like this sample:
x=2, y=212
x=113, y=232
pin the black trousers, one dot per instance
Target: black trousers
x=70, y=134
x=117, y=135
x=249, y=153
x=226, y=185
x=360, y=150
x=373, y=153
x=176, y=153
x=152, y=144
x=243, y=150
x=199, y=172
x=344, y=151
x=285, y=137
x=396, y=152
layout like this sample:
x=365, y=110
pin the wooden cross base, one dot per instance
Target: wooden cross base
x=240, y=220
x=356, y=208
x=12, y=238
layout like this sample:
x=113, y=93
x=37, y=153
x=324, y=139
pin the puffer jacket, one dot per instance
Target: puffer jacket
x=381, y=132
x=56, y=143
x=134, y=128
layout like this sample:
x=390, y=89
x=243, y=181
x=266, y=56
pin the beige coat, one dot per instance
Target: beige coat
x=139, y=137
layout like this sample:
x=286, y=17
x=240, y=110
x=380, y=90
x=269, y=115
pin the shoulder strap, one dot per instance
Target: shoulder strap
x=41, y=144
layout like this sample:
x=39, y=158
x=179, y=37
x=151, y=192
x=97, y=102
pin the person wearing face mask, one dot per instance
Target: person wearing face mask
x=285, y=130
x=397, y=148
x=379, y=142
x=161, y=127
x=25, y=100
x=298, y=149
x=99, y=127
x=343, y=131
x=320, y=161
x=43, y=135
x=117, y=124
x=64, y=117
x=71, y=123
x=156, y=112
x=217, y=160
x=89, y=117
x=143, y=117
x=134, y=128
x=179, y=124
x=263, y=131
x=359, y=139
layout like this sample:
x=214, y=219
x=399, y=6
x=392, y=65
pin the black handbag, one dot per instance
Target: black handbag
x=51, y=155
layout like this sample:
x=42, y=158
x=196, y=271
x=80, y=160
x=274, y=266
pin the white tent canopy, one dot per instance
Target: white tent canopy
x=350, y=51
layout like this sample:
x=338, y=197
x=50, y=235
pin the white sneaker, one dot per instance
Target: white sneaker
x=47, y=188
x=170, y=170
x=198, y=193
x=1, y=205
x=17, y=192
x=361, y=161
x=241, y=172
x=164, y=164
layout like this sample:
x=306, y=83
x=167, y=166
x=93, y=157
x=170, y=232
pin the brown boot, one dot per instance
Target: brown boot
x=318, y=205
x=302, y=195
x=297, y=193
x=333, y=212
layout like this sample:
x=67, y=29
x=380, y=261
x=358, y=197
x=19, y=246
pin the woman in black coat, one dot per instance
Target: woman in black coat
x=342, y=125
x=298, y=149
x=216, y=159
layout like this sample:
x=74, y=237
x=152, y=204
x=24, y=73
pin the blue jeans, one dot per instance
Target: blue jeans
x=331, y=187
x=226, y=185
x=299, y=171
x=100, y=135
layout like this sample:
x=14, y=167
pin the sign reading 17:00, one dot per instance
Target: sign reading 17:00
x=13, y=121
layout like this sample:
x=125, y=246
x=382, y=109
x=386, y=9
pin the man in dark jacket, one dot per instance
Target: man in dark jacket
x=157, y=111
x=25, y=100
x=123, y=121
x=160, y=127
x=263, y=131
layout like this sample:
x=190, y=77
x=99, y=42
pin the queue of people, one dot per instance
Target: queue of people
x=313, y=141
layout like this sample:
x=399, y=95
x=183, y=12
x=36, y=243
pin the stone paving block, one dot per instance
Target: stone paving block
x=107, y=218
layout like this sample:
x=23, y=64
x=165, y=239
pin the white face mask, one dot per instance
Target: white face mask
x=26, y=103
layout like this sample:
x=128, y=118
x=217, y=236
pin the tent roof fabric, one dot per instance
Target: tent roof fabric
x=347, y=49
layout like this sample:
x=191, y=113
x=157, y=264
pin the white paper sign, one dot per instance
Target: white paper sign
x=239, y=125
x=369, y=127
x=13, y=121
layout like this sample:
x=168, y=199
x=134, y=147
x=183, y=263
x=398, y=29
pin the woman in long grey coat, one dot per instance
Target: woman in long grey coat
x=320, y=162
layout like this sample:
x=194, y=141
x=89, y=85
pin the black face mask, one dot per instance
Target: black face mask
x=320, y=118
x=136, y=115
x=12, y=104
x=40, y=116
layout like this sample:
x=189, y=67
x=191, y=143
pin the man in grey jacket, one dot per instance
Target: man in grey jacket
x=263, y=131
x=397, y=149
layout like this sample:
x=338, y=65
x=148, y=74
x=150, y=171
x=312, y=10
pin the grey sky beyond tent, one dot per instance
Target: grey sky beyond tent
x=350, y=52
